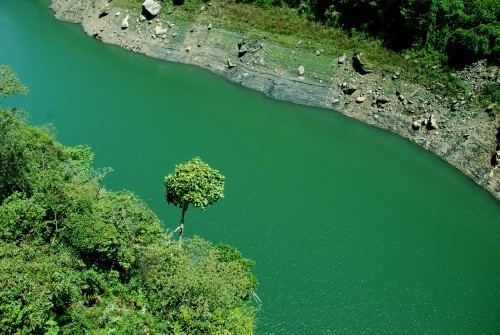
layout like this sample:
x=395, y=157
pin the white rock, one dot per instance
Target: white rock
x=125, y=22
x=160, y=31
x=152, y=7
x=301, y=70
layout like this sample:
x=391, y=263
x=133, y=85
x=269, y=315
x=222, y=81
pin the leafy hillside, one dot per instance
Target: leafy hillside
x=78, y=259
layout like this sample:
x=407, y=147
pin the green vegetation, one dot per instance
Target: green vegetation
x=78, y=259
x=10, y=83
x=422, y=40
x=193, y=183
x=470, y=27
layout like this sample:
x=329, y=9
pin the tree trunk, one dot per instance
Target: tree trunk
x=181, y=227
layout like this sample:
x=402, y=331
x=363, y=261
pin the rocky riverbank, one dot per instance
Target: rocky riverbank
x=466, y=137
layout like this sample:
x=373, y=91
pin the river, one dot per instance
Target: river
x=354, y=230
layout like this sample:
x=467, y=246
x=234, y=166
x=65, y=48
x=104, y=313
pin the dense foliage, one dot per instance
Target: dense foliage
x=78, y=259
x=10, y=83
x=194, y=183
x=460, y=30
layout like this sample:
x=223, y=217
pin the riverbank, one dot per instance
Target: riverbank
x=464, y=136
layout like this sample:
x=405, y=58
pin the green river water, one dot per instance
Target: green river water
x=354, y=230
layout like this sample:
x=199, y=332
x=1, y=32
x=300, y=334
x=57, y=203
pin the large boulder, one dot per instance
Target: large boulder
x=152, y=7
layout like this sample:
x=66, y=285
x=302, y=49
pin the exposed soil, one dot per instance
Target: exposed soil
x=464, y=136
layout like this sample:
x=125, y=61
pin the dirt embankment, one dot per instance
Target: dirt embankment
x=465, y=137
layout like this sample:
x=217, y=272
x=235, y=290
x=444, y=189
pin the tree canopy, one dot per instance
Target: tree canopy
x=194, y=183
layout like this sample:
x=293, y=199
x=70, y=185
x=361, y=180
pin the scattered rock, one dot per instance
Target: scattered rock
x=349, y=90
x=382, y=100
x=159, y=30
x=125, y=22
x=301, y=70
x=342, y=59
x=415, y=125
x=152, y=7
x=104, y=11
x=117, y=14
x=188, y=48
x=490, y=107
x=318, y=52
x=242, y=52
x=495, y=159
x=396, y=76
x=360, y=99
x=431, y=123
x=142, y=18
x=358, y=65
x=174, y=35
x=230, y=64
x=209, y=27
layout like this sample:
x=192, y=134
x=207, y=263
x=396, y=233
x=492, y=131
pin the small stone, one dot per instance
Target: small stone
x=301, y=70
x=230, y=64
x=188, y=48
x=431, y=123
x=117, y=14
x=349, y=90
x=360, y=99
x=174, y=34
x=209, y=27
x=159, y=30
x=415, y=125
x=382, y=100
x=125, y=22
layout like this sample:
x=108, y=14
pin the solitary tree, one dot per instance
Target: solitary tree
x=195, y=183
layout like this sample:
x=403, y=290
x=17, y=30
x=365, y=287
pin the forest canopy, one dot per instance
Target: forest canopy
x=76, y=258
x=461, y=31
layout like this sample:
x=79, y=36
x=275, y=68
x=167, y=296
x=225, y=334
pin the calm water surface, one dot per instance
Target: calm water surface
x=354, y=230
